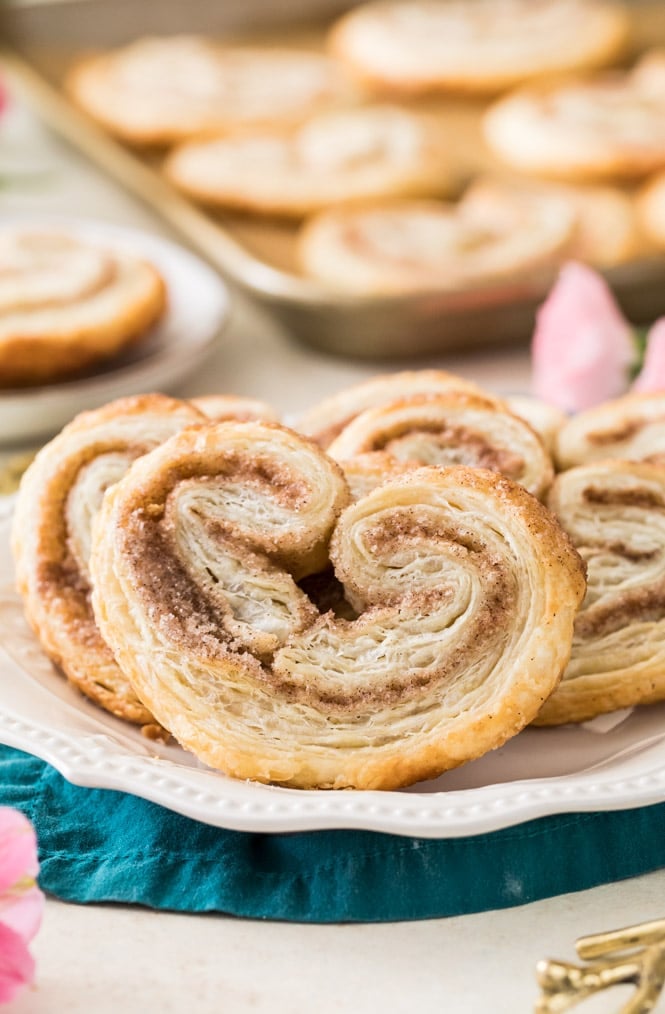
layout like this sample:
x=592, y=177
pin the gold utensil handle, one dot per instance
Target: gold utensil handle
x=638, y=959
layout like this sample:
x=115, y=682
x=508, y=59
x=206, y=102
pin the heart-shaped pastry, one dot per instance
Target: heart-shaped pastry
x=464, y=585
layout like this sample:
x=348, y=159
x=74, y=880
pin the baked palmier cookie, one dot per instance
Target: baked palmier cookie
x=325, y=421
x=342, y=157
x=164, y=90
x=605, y=128
x=59, y=497
x=67, y=304
x=632, y=428
x=418, y=245
x=651, y=208
x=614, y=512
x=220, y=407
x=456, y=428
x=476, y=46
x=605, y=230
x=465, y=588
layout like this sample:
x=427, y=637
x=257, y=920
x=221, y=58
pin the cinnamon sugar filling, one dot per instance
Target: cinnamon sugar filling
x=641, y=605
x=633, y=497
x=449, y=444
x=619, y=434
x=188, y=618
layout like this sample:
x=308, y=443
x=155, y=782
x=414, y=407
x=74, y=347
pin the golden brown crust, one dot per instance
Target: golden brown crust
x=410, y=47
x=57, y=501
x=605, y=229
x=456, y=428
x=326, y=420
x=346, y=157
x=403, y=246
x=631, y=428
x=44, y=338
x=161, y=91
x=614, y=512
x=609, y=128
x=462, y=630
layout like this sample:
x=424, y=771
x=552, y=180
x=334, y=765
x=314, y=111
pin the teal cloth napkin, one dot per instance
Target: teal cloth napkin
x=96, y=845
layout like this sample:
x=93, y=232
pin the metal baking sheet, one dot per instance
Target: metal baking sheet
x=41, y=40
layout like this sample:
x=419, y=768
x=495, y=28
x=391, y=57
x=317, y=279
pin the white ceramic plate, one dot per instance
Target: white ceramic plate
x=198, y=307
x=541, y=771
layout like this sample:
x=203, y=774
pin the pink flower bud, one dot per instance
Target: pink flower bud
x=583, y=348
x=652, y=374
x=21, y=901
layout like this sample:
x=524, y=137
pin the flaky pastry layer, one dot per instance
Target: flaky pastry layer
x=465, y=590
x=614, y=512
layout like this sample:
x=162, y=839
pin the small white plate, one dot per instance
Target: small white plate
x=540, y=772
x=198, y=307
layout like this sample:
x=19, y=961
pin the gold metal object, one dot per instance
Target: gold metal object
x=633, y=955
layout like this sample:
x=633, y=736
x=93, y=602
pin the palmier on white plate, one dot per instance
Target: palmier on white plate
x=407, y=246
x=614, y=512
x=476, y=46
x=335, y=158
x=465, y=586
x=67, y=304
x=324, y=421
x=609, y=127
x=651, y=206
x=631, y=428
x=60, y=495
x=456, y=428
x=164, y=90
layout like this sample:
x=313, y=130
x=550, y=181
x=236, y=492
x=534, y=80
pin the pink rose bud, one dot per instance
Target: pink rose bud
x=21, y=902
x=583, y=348
x=652, y=374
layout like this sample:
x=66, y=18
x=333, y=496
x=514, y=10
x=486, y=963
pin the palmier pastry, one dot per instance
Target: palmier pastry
x=477, y=46
x=610, y=127
x=66, y=304
x=335, y=158
x=651, y=207
x=614, y=512
x=605, y=230
x=59, y=497
x=440, y=429
x=231, y=406
x=632, y=428
x=163, y=90
x=411, y=245
x=465, y=585
x=326, y=420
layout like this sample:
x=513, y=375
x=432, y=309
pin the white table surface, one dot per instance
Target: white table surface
x=99, y=959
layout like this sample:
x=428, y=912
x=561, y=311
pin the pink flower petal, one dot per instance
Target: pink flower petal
x=583, y=348
x=18, y=849
x=652, y=375
x=17, y=968
x=22, y=912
